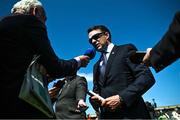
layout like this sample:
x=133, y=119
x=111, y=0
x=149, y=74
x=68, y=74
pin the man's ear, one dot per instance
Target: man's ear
x=33, y=11
x=37, y=11
x=107, y=35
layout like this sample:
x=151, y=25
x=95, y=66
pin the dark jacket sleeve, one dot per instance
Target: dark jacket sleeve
x=167, y=50
x=40, y=43
x=95, y=83
x=143, y=80
x=81, y=88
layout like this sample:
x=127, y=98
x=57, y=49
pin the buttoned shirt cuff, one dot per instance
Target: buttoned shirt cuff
x=123, y=104
x=79, y=61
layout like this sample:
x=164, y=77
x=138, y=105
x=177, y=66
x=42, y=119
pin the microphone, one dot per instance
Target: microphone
x=137, y=56
x=90, y=53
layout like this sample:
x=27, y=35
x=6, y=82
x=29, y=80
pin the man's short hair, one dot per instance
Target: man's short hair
x=23, y=6
x=100, y=27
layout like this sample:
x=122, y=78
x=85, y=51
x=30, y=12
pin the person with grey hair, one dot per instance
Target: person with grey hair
x=24, y=34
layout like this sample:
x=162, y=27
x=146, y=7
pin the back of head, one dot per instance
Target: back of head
x=24, y=6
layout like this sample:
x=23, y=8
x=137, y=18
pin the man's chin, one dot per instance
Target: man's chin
x=99, y=49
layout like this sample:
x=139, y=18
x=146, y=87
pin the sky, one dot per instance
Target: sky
x=140, y=22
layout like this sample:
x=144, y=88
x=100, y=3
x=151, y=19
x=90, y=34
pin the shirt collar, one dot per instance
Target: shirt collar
x=110, y=47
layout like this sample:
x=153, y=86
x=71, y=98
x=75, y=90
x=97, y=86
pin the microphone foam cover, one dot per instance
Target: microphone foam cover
x=90, y=53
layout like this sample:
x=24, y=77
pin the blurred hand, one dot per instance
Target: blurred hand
x=96, y=99
x=53, y=92
x=146, y=59
x=81, y=103
x=84, y=60
x=112, y=102
x=95, y=102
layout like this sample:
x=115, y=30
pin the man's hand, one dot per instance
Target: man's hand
x=146, y=59
x=81, y=107
x=112, y=102
x=53, y=92
x=95, y=102
x=84, y=60
x=81, y=103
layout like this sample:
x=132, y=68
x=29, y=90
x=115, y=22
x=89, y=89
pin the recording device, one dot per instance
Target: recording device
x=91, y=93
x=137, y=56
x=90, y=53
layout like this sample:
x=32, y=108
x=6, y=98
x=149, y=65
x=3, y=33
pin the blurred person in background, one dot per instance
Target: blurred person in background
x=69, y=101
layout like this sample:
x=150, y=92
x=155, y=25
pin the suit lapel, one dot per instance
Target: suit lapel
x=96, y=72
x=96, y=68
x=65, y=89
x=108, y=65
x=110, y=60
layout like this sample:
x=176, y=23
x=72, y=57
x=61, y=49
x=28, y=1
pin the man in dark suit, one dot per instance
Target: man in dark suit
x=71, y=98
x=122, y=83
x=21, y=36
x=167, y=50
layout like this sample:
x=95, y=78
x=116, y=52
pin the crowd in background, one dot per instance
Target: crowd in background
x=163, y=113
x=157, y=113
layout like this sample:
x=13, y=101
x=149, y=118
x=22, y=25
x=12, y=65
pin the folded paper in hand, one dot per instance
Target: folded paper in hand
x=35, y=91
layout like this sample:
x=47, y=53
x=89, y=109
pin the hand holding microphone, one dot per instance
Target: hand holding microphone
x=88, y=55
x=137, y=57
x=84, y=60
x=146, y=58
x=141, y=57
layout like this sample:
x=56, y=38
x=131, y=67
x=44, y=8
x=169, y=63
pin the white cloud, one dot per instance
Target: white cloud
x=88, y=76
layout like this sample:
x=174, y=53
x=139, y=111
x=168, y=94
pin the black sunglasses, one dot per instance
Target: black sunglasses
x=96, y=36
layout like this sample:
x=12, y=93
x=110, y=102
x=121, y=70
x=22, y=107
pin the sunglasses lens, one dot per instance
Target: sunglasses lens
x=95, y=37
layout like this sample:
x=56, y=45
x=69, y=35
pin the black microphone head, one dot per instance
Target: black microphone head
x=137, y=56
x=90, y=53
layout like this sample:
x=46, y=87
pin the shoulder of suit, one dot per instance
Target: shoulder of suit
x=80, y=77
x=31, y=19
x=128, y=46
x=177, y=14
x=21, y=17
x=24, y=19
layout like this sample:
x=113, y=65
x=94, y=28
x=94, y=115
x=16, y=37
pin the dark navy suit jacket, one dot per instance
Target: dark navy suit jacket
x=126, y=79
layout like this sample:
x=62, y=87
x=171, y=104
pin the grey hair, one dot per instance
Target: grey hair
x=23, y=6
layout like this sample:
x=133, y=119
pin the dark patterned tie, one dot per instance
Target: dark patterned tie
x=102, y=68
